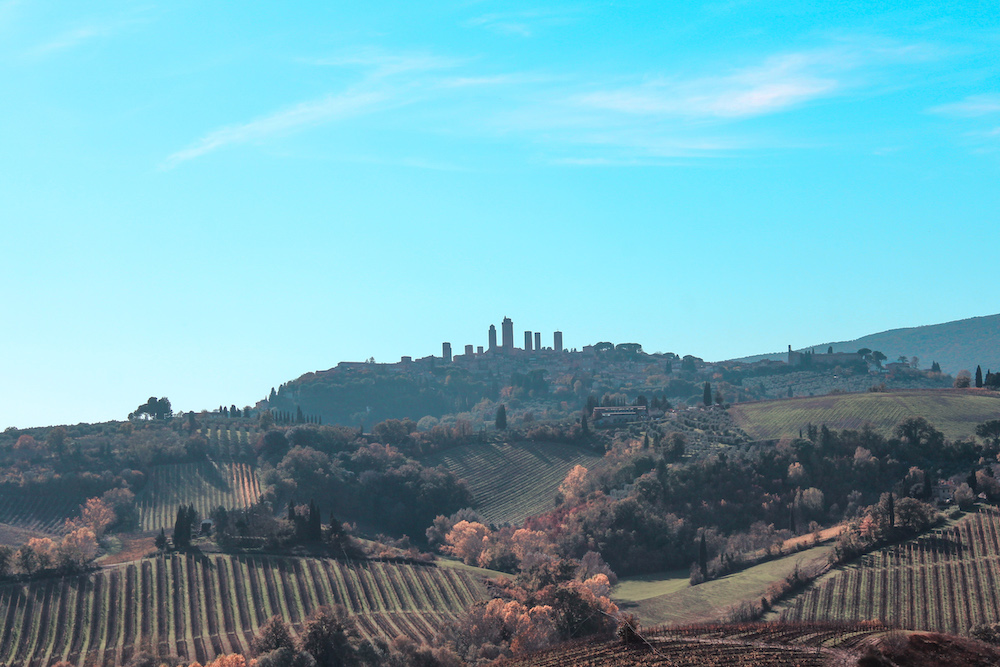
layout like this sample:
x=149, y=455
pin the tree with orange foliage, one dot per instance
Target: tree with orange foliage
x=96, y=515
x=466, y=540
x=573, y=488
x=78, y=548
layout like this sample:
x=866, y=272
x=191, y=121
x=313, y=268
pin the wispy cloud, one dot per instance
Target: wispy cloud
x=85, y=33
x=779, y=83
x=521, y=24
x=972, y=106
x=383, y=64
x=306, y=114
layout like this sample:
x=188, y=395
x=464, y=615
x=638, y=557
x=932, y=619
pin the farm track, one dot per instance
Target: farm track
x=511, y=482
x=206, y=605
x=206, y=485
x=945, y=582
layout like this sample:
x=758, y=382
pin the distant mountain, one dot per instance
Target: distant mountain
x=955, y=345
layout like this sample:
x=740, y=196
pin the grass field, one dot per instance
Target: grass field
x=511, y=482
x=954, y=412
x=206, y=485
x=671, y=599
x=198, y=607
x=947, y=581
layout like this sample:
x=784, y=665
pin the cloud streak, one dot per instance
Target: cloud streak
x=333, y=107
x=971, y=107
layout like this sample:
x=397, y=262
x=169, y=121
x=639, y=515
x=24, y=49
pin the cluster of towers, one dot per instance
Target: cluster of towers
x=532, y=342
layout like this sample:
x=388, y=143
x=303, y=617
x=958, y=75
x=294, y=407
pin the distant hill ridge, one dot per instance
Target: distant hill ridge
x=958, y=345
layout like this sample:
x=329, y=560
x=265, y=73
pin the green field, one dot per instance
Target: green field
x=198, y=607
x=511, y=482
x=206, y=485
x=669, y=598
x=954, y=412
x=947, y=581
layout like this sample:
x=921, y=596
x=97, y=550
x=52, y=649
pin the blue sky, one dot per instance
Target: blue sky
x=205, y=200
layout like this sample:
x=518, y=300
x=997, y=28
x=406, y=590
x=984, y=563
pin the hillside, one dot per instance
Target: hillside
x=512, y=481
x=945, y=581
x=206, y=485
x=957, y=345
x=954, y=412
x=770, y=645
x=198, y=607
x=672, y=599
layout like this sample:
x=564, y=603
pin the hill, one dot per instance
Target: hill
x=958, y=345
x=198, y=607
x=945, y=581
x=512, y=481
x=954, y=412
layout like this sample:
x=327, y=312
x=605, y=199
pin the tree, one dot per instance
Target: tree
x=706, y=394
x=979, y=377
x=161, y=540
x=935, y=367
x=96, y=515
x=963, y=380
x=501, y=420
x=154, y=408
x=990, y=429
x=78, y=549
x=329, y=636
x=703, y=557
x=6, y=559
x=273, y=635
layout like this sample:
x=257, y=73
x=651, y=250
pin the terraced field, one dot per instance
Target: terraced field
x=744, y=645
x=206, y=485
x=511, y=482
x=198, y=607
x=954, y=412
x=947, y=581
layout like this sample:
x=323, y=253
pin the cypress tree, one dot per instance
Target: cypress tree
x=706, y=394
x=501, y=420
x=979, y=377
x=179, y=540
x=703, y=557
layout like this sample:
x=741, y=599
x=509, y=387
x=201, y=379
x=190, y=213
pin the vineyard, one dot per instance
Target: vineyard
x=511, y=482
x=947, y=581
x=38, y=513
x=206, y=485
x=746, y=645
x=955, y=413
x=200, y=606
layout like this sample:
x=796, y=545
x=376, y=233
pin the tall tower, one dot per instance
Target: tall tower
x=538, y=340
x=446, y=352
x=527, y=341
x=493, y=338
x=508, y=335
x=557, y=341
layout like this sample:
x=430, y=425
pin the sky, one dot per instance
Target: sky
x=205, y=200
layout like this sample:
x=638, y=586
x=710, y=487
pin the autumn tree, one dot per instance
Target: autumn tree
x=273, y=635
x=77, y=549
x=96, y=515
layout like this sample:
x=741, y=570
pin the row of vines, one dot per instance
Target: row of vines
x=206, y=485
x=511, y=482
x=198, y=607
x=946, y=581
